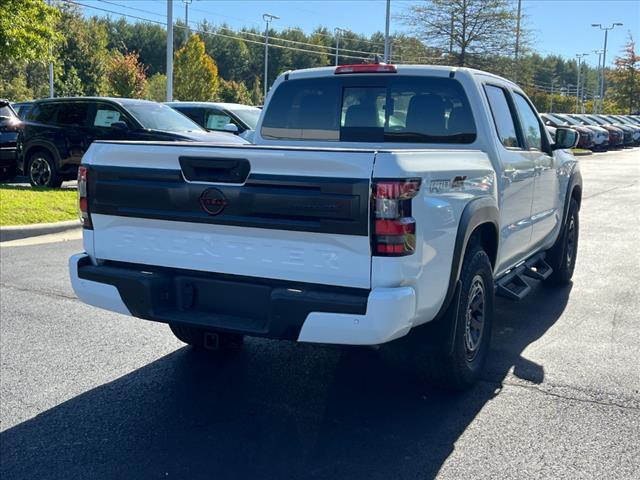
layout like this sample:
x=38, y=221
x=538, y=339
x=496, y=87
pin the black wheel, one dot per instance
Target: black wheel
x=8, y=173
x=42, y=170
x=202, y=339
x=461, y=367
x=562, y=256
x=450, y=352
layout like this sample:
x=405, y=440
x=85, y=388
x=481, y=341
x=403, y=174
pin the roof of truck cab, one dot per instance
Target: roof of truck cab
x=440, y=70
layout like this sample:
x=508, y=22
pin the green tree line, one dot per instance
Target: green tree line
x=106, y=56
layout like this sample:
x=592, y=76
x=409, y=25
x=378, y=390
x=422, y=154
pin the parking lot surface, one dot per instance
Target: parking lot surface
x=86, y=393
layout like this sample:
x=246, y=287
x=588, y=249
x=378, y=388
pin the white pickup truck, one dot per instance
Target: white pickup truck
x=380, y=204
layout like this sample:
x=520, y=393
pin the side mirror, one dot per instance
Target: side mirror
x=120, y=126
x=566, y=138
x=230, y=127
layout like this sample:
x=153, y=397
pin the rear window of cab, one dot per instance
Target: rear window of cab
x=372, y=108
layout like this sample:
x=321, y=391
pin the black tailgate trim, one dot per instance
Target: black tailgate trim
x=280, y=202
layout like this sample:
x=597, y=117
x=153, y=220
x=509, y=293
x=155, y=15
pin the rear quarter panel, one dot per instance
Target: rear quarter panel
x=437, y=209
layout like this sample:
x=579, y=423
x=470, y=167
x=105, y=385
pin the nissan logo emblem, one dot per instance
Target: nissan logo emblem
x=213, y=201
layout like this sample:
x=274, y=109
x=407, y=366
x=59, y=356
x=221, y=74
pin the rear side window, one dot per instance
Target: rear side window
x=105, y=115
x=194, y=114
x=367, y=109
x=73, y=114
x=43, y=113
x=216, y=120
x=529, y=121
x=502, y=116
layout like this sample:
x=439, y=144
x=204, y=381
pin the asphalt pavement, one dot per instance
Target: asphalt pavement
x=85, y=393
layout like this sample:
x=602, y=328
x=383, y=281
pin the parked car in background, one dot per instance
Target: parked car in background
x=22, y=108
x=221, y=117
x=586, y=136
x=58, y=131
x=616, y=135
x=10, y=125
x=600, y=135
x=620, y=121
x=627, y=133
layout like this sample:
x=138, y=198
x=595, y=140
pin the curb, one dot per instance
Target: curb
x=15, y=232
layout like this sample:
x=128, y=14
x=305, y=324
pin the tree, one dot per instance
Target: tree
x=464, y=28
x=149, y=40
x=83, y=51
x=67, y=82
x=156, y=88
x=125, y=76
x=231, y=55
x=196, y=74
x=625, y=88
x=15, y=89
x=256, y=92
x=27, y=30
x=234, y=92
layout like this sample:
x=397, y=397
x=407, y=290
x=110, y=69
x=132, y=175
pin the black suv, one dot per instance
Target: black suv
x=9, y=127
x=58, y=131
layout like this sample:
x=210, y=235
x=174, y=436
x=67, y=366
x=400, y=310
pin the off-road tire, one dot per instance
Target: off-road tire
x=562, y=256
x=445, y=359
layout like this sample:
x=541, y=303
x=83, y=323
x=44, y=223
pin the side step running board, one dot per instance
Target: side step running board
x=537, y=268
x=514, y=286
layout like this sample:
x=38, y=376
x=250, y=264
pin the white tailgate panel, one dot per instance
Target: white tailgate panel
x=257, y=252
x=324, y=258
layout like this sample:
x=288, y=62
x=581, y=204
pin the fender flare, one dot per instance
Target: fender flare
x=575, y=180
x=479, y=211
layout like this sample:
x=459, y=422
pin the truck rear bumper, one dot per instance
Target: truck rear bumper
x=258, y=307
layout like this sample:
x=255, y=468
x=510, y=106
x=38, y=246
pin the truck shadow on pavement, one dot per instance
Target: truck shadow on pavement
x=274, y=411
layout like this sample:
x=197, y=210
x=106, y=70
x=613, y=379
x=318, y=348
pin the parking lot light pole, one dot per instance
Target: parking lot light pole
x=337, y=32
x=595, y=105
x=169, y=50
x=186, y=14
x=386, y=33
x=604, y=57
x=268, y=18
x=579, y=56
x=50, y=69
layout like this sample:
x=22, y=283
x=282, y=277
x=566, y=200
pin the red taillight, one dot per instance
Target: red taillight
x=83, y=202
x=366, y=68
x=394, y=229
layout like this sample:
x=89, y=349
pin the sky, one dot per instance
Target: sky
x=561, y=27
